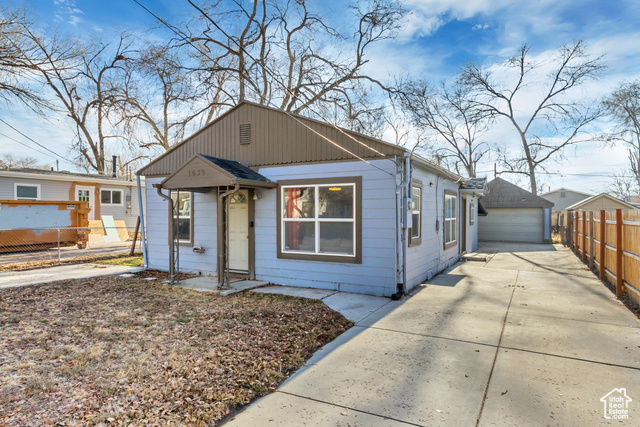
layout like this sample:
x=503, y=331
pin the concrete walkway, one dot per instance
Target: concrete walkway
x=10, y=279
x=529, y=338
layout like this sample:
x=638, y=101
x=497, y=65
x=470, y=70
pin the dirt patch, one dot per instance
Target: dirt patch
x=624, y=299
x=33, y=265
x=122, y=351
x=162, y=275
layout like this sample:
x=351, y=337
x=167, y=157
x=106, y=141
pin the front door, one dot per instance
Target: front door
x=239, y=231
x=85, y=194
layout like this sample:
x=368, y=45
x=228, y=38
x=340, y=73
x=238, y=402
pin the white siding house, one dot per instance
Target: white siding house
x=297, y=211
x=108, y=196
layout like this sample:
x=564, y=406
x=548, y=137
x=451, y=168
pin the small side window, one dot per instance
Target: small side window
x=415, y=238
x=27, y=192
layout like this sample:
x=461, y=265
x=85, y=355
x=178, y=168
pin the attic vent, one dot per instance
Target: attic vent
x=563, y=194
x=245, y=133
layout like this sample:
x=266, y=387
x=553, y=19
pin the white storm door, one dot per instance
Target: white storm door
x=239, y=231
x=85, y=194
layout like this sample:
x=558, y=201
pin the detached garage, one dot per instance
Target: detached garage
x=514, y=215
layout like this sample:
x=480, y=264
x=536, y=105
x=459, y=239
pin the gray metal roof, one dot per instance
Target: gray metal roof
x=236, y=169
x=474, y=184
x=503, y=194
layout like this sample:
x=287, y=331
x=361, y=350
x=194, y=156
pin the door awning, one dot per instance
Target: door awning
x=203, y=172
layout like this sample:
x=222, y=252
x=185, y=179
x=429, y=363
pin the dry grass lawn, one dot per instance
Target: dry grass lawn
x=115, y=351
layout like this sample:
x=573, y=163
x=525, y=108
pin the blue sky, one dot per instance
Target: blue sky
x=437, y=37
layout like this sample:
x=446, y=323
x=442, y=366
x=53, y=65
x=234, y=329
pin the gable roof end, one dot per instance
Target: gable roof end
x=581, y=203
x=279, y=138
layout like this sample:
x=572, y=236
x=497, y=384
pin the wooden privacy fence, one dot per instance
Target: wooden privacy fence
x=610, y=242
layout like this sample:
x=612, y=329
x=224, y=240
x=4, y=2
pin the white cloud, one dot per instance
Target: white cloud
x=417, y=24
x=480, y=27
x=67, y=10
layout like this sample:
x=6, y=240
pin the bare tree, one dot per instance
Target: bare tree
x=549, y=125
x=82, y=82
x=15, y=73
x=453, y=119
x=9, y=161
x=277, y=53
x=623, y=106
x=623, y=185
x=161, y=98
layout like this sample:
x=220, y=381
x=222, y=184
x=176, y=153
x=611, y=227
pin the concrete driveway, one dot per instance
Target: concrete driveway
x=529, y=338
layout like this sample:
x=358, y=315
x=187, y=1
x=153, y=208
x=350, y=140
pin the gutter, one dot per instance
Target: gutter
x=172, y=272
x=401, y=220
x=145, y=256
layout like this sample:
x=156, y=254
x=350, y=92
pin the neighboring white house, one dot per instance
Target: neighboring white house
x=294, y=201
x=116, y=197
x=564, y=197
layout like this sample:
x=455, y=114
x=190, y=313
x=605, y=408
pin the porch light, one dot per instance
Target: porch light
x=335, y=188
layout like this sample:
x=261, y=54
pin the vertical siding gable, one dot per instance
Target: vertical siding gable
x=277, y=139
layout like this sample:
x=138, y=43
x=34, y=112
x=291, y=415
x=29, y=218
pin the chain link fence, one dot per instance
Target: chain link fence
x=22, y=245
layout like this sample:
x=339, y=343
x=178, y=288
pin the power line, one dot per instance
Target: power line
x=186, y=38
x=28, y=146
x=31, y=139
x=596, y=174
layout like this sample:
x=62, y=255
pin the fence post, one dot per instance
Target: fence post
x=575, y=240
x=591, y=240
x=58, y=230
x=619, y=278
x=584, y=235
x=603, y=242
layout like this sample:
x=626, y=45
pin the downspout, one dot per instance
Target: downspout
x=401, y=211
x=145, y=260
x=223, y=255
x=172, y=272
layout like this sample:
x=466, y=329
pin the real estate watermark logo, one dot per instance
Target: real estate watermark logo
x=616, y=404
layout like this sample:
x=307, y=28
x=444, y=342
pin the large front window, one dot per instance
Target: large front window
x=183, y=216
x=450, y=219
x=319, y=219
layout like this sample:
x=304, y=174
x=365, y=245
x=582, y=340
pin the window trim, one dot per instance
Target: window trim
x=191, y=228
x=454, y=242
x=306, y=256
x=24, y=184
x=111, y=198
x=415, y=241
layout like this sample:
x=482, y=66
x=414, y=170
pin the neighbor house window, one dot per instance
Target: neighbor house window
x=27, y=191
x=111, y=197
x=183, y=216
x=450, y=219
x=416, y=215
x=320, y=220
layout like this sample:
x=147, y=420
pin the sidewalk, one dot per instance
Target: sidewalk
x=10, y=279
x=530, y=337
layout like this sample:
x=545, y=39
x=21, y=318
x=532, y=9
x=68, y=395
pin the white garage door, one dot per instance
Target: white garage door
x=511, y=225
